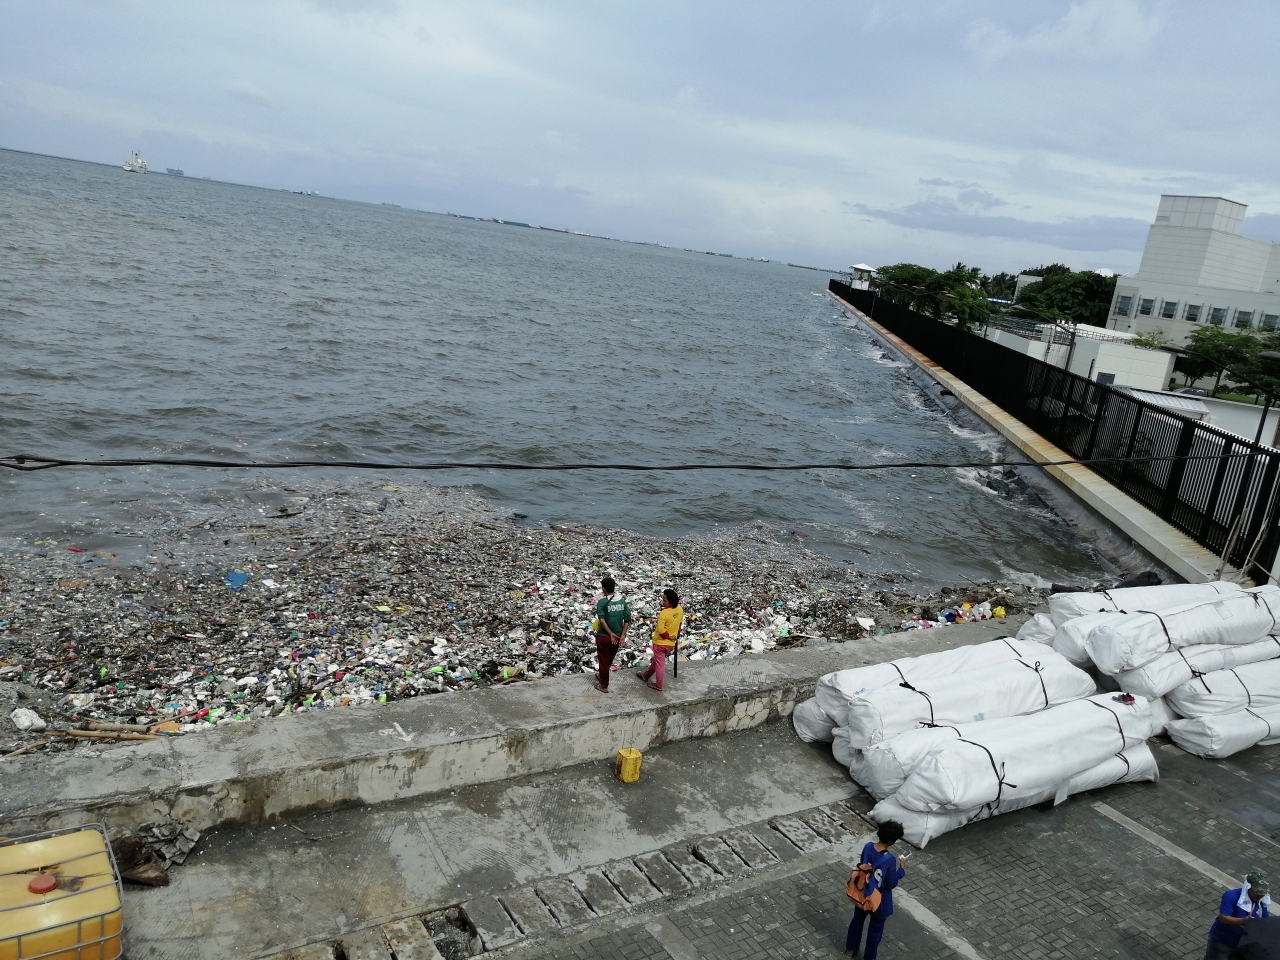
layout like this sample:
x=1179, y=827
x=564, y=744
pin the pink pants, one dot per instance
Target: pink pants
x=658, y=668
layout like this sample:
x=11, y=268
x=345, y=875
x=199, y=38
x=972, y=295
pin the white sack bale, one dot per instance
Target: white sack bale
x=1068, y=606
x=883, y=767
x=1221, y=735
x=835, y=690
x=1253, y=685
x=1041, y=752
x=1001, y=690
x=1039, y=629
x=1130, y=766
x=1173, y=669
x=1161, y=715
x=842, y=750
x=1069, y=640
x=812, y=722
x=1139, y=637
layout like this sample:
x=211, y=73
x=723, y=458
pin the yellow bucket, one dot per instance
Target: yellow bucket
x=79, y=918
x=626, y=765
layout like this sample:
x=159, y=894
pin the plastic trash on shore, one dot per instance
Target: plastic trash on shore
x=1171, y=670
x=1220, y=735
x=1235, y=618
x=1131, y=765
x=1068, y=606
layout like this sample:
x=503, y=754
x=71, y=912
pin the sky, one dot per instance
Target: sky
x=1000, y=133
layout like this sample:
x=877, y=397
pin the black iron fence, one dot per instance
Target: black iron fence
x=1218, y=488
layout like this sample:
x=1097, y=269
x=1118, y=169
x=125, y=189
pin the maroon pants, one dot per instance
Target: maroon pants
x=606, y=650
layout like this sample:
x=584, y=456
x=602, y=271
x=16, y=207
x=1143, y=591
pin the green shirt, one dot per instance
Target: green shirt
x=613, y=611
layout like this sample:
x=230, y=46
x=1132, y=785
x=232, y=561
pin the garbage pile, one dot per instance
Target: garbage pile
x=945, y=739
x=347, y=595
x=1208, y=653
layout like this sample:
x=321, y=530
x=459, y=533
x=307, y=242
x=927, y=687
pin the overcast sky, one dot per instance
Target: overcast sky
x=1004, y=133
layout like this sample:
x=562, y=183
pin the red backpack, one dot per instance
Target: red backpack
x=863, y=888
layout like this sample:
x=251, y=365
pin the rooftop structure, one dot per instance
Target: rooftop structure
x=1197, y=269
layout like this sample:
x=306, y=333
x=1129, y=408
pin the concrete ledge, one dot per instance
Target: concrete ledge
x=1159, y=538
x=264, y=769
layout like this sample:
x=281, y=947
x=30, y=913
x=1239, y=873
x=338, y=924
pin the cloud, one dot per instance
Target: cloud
x=1262, y=226
x=246, y=92
x=1090, y=29
x=944, y=215
x=939, y=182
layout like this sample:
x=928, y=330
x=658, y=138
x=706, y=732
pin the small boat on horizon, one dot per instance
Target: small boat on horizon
x=136, y=164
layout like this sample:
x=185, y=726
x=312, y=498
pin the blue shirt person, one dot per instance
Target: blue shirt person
x=887, y=870
x=1248, y=902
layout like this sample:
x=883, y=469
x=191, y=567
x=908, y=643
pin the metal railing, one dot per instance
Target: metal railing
x=1217, y=487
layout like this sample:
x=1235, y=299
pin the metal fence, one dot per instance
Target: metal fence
x=1216, y=487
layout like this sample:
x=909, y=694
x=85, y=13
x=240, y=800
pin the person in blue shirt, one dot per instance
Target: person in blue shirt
x=1248, y=902
x=888, y=870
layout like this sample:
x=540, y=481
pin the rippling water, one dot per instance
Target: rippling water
x=160, y=316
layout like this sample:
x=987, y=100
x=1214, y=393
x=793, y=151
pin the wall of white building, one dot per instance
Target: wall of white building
x=1196, y=269
x=1098, y=360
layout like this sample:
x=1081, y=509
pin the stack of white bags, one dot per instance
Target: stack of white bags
x=1207, y=653
x=948, y=738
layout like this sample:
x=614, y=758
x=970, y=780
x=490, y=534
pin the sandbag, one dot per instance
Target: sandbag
x=1040, y=752
x=1130, y=766
x=1221, y=735
x=812, y=722
x=842, y=750
x=1138, y=638
x=1068, y=606
x=1039, y=629
x=1171, y=670
x=835, y=690
x=1161, y=715
x=1229, y=691
x=1002, y=690
x=1069, y=638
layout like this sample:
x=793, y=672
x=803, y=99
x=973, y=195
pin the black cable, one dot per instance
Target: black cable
x=28, y=463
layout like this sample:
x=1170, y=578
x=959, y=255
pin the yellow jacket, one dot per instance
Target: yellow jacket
x=669, y=620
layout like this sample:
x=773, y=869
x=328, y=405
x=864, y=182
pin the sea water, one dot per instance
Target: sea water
x=159, y=316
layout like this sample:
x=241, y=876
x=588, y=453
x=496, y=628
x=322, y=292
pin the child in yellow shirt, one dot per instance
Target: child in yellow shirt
x=665, y=634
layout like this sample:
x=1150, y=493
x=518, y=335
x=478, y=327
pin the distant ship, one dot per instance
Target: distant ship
x=173, y=171
x=136, y=164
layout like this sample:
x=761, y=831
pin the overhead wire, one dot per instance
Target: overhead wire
x=30, y=463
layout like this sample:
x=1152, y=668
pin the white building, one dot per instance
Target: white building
x=1197, y=269
x=1104, y=356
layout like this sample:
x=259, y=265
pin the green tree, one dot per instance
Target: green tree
x=1000, y=286
x=1083, y=297
x=1218, y=350
x=954, y=293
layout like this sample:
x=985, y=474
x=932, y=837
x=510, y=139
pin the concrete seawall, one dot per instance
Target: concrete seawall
x=1156, y=537
x=257, y=771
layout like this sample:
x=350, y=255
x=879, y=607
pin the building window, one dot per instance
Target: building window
x=1244, y=319
x=1106, y=379
x=1145, y=307
x=1193, y=313
x=1169, y=310
x=1270, y=321
x=1218, y=316
x=1123, y=305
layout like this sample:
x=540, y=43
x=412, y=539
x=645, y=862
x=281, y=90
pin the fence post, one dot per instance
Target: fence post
x=1177, y=469
x=1098, y=416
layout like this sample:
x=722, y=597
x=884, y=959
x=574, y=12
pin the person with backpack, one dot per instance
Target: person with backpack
x=613, y=619
x=870, y=888
x=665, y=634
x=1250, y=901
